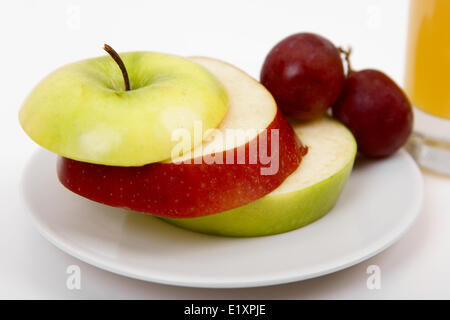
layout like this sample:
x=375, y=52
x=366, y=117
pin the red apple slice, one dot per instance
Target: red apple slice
x=197, y=187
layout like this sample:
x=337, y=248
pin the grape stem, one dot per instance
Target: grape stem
x=120, y=63
x=347, y=54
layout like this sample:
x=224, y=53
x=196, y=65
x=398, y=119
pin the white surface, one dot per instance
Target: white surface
x=241, y=33
x=364, y=222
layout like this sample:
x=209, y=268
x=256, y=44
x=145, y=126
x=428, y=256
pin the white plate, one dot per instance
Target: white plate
x=380, y=202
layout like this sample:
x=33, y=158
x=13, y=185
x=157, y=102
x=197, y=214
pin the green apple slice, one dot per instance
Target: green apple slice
x=305, y=196
x=81, y=111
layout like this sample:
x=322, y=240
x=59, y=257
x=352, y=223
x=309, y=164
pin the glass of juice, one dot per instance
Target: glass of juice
x=427, y=82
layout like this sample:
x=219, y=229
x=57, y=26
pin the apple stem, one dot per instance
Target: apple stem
x=347, y=54
x=119, y=61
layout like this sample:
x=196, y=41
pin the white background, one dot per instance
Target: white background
x=39, y=36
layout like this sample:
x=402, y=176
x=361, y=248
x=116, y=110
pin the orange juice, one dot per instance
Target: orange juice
x=428, y=56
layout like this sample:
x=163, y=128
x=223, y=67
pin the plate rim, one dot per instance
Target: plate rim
x=337, y=265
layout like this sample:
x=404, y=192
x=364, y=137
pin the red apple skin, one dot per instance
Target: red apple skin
x=304, y=73
x=377, y=112
x=183, y=190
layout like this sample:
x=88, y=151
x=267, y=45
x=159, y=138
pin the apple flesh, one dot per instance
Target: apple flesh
x=198, y=188
x=81, y=111
x=305, y=196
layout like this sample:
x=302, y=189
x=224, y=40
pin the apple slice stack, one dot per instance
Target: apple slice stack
x=117, y=147
x=192, y=186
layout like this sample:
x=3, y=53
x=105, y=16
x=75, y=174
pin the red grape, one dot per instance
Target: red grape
x=304, y=73
x=376, y=110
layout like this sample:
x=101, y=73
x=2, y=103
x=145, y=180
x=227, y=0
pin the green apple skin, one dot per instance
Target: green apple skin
x=81, y=111
x=277, y=212
x=272, y=214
